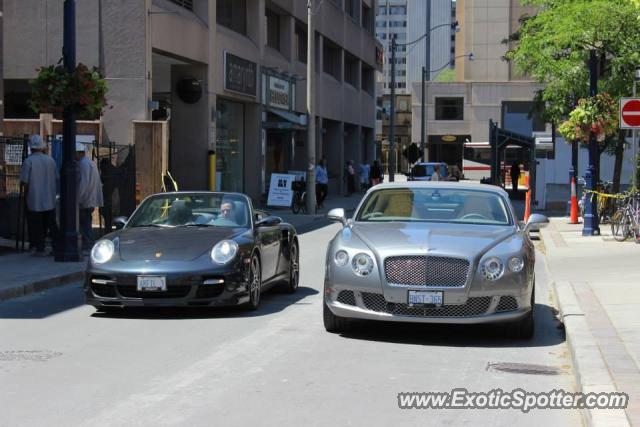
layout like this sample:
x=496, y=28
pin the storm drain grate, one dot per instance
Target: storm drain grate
x=524, y=368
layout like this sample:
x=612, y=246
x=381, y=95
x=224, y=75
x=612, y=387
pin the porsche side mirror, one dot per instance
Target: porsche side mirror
x=119, y=222
x=536, y=222
x=337, y=215
x=269, y=221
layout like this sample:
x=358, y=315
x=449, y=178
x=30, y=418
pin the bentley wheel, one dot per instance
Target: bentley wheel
x=255, y=284
x=333, y=323
x=523, y=328
x=294, y=269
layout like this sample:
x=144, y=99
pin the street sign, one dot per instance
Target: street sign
x=280, y=192
x=630, y=113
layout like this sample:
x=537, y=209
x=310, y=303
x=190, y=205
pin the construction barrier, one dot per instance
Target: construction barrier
x=574, y=203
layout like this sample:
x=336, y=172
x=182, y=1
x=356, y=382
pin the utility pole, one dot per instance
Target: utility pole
x=591, y=223
x=423, y=117
x=67, y=249
x=311, y=115
x=634, y=139
x=392, y=111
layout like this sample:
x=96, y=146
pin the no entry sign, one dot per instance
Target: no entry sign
x=630, y=113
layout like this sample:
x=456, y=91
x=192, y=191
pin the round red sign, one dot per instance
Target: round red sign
x=631, y=113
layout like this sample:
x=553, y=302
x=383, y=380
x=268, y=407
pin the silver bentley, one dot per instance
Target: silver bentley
x=433, y=252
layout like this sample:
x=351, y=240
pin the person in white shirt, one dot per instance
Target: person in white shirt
x=435, y=176
x=89, y=195
x=39, y=176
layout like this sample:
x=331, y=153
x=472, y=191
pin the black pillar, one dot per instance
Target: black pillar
x=423, y=117
x=392, y=112
x=67, y=250
x=591, y=220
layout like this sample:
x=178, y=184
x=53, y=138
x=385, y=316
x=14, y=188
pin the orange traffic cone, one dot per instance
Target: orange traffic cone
x=574, y=203
x=527, y=206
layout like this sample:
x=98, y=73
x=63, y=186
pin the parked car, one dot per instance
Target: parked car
x=424, y=171
x=192, y=249
x=434, y=253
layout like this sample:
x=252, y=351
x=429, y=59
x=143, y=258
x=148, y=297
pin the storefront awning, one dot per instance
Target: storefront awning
x=295, y=121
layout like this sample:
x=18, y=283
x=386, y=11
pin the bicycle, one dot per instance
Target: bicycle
x=298, y=202
x=625, y=222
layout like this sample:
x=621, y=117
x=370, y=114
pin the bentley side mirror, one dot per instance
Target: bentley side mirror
x=536, y=222
x=120, y=222
x=337, y=215
x=269, y=221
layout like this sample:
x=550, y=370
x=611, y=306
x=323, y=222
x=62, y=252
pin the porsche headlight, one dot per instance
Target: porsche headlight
x=516, y=264
x=224, y=251
x=102, y=251
x=341, y=258
x=492, y=268
x=362, y=264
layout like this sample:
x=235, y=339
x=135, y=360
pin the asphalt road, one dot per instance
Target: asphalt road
x=63, y=365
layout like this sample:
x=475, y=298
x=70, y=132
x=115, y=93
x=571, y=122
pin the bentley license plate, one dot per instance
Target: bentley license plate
x=152, y=283
x=426, y=297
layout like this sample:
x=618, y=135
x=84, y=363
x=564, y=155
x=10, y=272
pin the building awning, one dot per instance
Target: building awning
x=293, y=120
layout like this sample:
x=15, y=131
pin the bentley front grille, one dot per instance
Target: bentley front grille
x=347, y=297
x=507, y=303
x=433, y=271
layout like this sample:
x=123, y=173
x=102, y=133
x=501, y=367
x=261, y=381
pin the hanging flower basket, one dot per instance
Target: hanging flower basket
x=597, y=116
x=83, y=91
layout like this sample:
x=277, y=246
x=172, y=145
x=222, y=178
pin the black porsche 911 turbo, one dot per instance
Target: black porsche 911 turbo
x=192, y=249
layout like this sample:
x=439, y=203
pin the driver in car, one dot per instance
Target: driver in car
x=227, y=214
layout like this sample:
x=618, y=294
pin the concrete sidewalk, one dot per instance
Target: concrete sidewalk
x=597, y=282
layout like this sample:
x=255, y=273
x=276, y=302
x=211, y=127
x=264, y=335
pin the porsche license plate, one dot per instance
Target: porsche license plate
x=426, y=297
x=152, y=283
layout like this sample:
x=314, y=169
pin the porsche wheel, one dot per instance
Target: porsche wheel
x=255, y=284
x=333, y=323
x=294, y=269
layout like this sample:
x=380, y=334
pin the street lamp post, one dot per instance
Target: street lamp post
x=311, y=115
x=67, y=249
x=634, y=141
x=591, y=220
x=392, y=119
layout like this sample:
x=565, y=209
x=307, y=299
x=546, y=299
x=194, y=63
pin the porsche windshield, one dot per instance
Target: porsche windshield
x=197, y=210
x=435, y=205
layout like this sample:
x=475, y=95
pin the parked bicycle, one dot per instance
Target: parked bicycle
x=625, y=222
x=298, y=203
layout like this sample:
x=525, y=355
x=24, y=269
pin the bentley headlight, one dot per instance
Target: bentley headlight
x=362, y=264
x=224, y=251
x=102, y=251
x=492, y=268
x=516, y=264
x=341, y=258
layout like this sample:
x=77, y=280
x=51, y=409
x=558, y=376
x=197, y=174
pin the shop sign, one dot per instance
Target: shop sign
x=240, y=75
x=278, y=93
x=280, y=191
x=449, y=138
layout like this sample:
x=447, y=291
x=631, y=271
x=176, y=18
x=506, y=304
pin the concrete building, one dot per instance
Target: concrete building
x=1, y=73
x=486, y=88
x=228, y=75
x=409, y=20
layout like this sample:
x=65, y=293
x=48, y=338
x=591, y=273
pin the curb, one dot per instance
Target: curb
x=40, y=285
x=589, y=367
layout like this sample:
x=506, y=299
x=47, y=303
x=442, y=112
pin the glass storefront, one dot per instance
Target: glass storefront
x=229, y=146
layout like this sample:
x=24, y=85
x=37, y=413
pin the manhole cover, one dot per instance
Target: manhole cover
x=524, y=368
x=28, y=355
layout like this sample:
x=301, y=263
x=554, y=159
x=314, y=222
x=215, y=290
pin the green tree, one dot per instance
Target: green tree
x=553, y=48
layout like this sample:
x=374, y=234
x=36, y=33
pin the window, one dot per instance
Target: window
x=367, y=18
x=187, y=4
x=381, y=24
x=449, y=109
x=232, y=14
x=331, y=59
x=382, y=36
x=272, y=29
x=351, y=70
x=17, y=93
x=382, y=10
x=398, y=10
x=367, y=80
x=301, y=44
x=397, y=23
x=352, y=7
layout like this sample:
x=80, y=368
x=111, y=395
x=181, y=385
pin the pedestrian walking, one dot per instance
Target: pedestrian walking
x=515, y=176
x=376, y=173
x=365, y=171
x=39, y=177
x=351, y=178
x=322, y=183
x=89, y=195
x=435, y=176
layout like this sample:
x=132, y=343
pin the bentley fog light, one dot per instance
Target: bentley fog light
x=102, y=251
x=341, y=258
x=224, y=251
x=516, y=264
x=362, y=264
x=492, y=268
